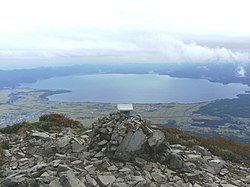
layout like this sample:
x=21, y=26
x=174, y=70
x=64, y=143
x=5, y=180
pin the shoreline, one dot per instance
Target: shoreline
x=48, y=92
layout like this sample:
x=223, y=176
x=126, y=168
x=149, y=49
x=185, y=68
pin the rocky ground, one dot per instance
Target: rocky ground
x=119, y=151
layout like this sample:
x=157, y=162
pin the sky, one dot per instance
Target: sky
x=57, y=32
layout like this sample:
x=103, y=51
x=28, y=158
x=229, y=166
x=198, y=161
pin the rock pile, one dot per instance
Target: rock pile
x=125, y=137
x=119, y=151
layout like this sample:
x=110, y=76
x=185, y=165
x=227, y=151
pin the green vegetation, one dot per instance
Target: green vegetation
x=59, y=118
x=225, y=148
x=238, y=107
x=49, y=123
x=228, y=149
x=4, y=144
x=177, y=136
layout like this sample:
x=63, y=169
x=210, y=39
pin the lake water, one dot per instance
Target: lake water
x=131, y=88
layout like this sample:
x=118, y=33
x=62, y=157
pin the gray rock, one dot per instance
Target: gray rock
x=63, y=141
x=176, y=162
x=125, y=170
x=113, y=148
x=91, y=181
x=237, y=183
x=202, y=150
x=196, y=185
x=120, y=184
x=55, y=183
x=85, y=137
x=77, y=148
x=6, y=153
x=195, y=176
x=224, y=171
x=142, y=184
x=137, y=178
x=90, y=169
x=178, y=146
x=228, y=185
x=112, y=168
x=133, y=144
x=217, y=165
x=38, y=134
x=18, y=180
x=140, y=162
x=37, y=167
x=156, y=139
x=61, y=156
x=68, y=179
x=248, y=179
x=56, y=163
x=105, y=180
x=76, y=162
x=99, y=154
x=63, y=168
x=158, y=177
x=193, y=156
x=103, y=142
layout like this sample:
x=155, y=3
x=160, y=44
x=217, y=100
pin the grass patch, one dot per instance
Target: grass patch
x=49, y=123
x=4, y=144
x=228, y=149
x=177, y=136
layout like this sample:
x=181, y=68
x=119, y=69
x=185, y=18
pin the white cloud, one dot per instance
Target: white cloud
x=130, y=46
x=193, y=16
x=131, y=30
x=176, y=50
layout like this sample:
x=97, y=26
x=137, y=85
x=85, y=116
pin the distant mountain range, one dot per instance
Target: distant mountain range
x=216, y=72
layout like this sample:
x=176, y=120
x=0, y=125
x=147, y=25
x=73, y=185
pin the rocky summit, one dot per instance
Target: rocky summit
x=118, y=151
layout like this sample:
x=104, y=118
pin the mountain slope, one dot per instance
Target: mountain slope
x=118, y=150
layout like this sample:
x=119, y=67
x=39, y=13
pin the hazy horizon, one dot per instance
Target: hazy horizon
x=62, y=32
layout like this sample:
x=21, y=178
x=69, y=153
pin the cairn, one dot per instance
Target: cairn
x=125, y=138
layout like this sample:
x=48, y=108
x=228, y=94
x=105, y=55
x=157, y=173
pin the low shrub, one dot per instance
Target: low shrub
x=15, y=128
x=50, y=123
x=58, y=118
x=225, y=148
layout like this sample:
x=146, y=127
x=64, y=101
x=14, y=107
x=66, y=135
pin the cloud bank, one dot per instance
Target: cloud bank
x=120, y=46
x=125, y=31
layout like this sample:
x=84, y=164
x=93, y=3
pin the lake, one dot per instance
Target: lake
x=134, y=88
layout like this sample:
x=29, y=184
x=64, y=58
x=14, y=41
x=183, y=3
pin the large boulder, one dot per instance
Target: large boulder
x=156, y=139
x=133, y=144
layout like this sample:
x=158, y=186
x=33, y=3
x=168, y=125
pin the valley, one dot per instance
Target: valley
x=23, y=104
